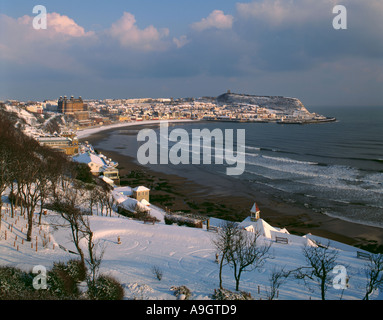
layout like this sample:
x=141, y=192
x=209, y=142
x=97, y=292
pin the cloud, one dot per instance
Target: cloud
x=181, y=41
x=65, y=25
x=217, y=19
x=57, y=25
x=298, y=34
x=130, y=36
x=50, y=47
x=284, y=12
x=271, y=46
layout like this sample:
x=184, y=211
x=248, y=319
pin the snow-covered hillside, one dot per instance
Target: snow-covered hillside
x=185, y=256
x=34, y=124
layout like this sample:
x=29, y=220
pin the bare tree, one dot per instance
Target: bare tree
x=45, y=177
x=276, y=279
x=5, y=164
x=245, y=254
x=374, y=274
x=239, y=249
x=222, y=242
x=95, y=251
x=29, y=182
x=67, y=204
x=321, y=261
x=6, y=142
x=73, y=216
x=110, y=202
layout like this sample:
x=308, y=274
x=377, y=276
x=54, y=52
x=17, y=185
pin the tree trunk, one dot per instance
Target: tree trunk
x=220, y=270
x=323, y=289
x=30, y=223
x=237, y=278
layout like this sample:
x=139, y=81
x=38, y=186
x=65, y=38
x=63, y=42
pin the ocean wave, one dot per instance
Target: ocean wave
x=359, y=220
x=296, y=168
x=253, y=148
x=289, y=160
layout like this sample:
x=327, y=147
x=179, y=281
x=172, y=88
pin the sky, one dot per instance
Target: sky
x=180, y=48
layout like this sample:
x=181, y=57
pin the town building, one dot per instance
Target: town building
x=99, y=165
x=141, y=193
x=72, y=106
x=67, y=143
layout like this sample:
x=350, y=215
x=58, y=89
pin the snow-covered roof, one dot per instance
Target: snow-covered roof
x=131, y=204
x=107, y=180
x=259, y=225
x=141, y=188
x=126, y=190
x=89, y=158
x=144, y=202
x=254, y=208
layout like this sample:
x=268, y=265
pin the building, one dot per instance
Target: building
x=99, y=165
x=35, y=108
x=72, y=106
x=141, y=193
x=67, y=143
x=255, y=213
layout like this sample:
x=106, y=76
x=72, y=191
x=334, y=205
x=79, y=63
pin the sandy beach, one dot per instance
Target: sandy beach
x=220, y=198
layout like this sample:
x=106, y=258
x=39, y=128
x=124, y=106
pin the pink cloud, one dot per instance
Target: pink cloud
x=129, y=35
x=56, y=25
x=24, y=45
x=217, y=19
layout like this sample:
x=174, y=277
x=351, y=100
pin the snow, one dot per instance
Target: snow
x=131, y=204
x=186, y=256
x=140, y=189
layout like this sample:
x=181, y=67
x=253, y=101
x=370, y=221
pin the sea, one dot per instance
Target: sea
x=333, y=168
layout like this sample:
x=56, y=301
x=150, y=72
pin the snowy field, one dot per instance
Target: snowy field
x=185, y=255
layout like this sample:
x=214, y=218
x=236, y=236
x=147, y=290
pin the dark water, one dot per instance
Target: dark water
x=333, y=168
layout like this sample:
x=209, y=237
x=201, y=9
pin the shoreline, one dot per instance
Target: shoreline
x=176, y=193
x=87, y=132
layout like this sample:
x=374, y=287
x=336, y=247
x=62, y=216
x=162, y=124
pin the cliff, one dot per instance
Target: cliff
x=278, y=104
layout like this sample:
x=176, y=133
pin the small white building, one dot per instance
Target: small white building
x=98, y=164
x=255, y=224
x=141, y=193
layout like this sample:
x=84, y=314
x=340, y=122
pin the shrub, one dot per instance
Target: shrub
x=83, y=173
x=224, y=294
x=168, y=221
x=182, y=292
x=14, y=283
x=61, y=283
x=157, y=272
x=105, y=288
x=76, y=270
x=62, y=280
x=183, y=221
